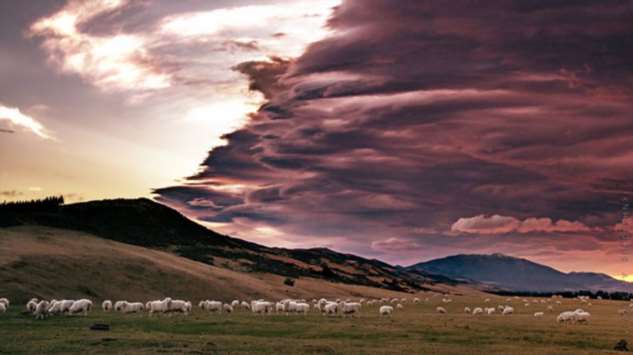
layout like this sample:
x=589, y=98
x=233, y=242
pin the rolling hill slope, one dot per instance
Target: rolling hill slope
x=145, y=223
x=46, y=262
x=503, y=272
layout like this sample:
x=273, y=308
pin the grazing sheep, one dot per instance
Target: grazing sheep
x=65, y=305
x=280, y=307
x=179, y=306
x=55, y=307
x=440, y=310
x=582, y=316
x=508, y=310
x=478, y=310
x=159, y=306
x=550, y=308
x=31, y=305
x=416, y=300
x=385, y=310
x=41, y=309
x=330, y=308
x=447, y=300
x=303, y=307
x=489, y=310
x=467, y=310
x=565, y=317
x=227, y=308
x=245, y=306
x=129, y=307
x=82, y=306
x=5, y=301
x=487, y=300
x=119, y=304
x=261, y=307
x=539, y=314
x=350, y=308
x=399, y=306
x=106, y=305
x=211, y=306
x=3, y=307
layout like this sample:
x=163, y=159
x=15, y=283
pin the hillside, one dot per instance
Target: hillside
x=503, y=272
x=48, y=262
x=143, y=222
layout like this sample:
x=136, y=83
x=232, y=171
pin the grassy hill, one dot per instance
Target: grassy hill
x=46, y=262
x=143, y=222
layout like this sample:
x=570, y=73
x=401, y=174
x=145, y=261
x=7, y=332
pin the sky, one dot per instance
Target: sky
x=402, y=131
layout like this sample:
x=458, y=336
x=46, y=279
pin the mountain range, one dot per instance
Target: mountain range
x=502, y=272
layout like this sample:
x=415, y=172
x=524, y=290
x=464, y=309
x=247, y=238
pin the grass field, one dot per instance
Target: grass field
x=416, y=329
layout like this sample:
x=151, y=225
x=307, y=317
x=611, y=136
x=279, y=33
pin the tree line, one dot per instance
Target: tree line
x=621, y=296
x=35, y=205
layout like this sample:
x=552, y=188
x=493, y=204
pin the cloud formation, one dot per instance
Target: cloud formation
x=16, y=118
x=410, y=119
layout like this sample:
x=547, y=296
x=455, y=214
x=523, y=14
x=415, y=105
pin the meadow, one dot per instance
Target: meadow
x=416, y=329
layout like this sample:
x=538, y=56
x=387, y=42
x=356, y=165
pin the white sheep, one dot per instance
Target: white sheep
x=478, y=310
x=227, y=308
x=565, y=317
x=65, y=305
x=539, y=314
x=82, y=306
x=399, y=306
x=489, y=310
x=416, y=300
x=467, y=310
x=302, y=307
x=106, y=305
x=261, y=307
x=440, y=310
x=507, y=310
x=351, y=308
x=235, y=304
x=31, y=305
x=179, y=306
x=3, y=307
x=211, y=306
x=385, y=310
x=330, y=308
x=41, y=309
x=245, y=306
x=54, y=307
x=129, y=307
x=5, y=301
x=159, y=306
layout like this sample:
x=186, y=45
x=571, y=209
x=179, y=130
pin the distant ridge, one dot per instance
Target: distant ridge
x=502, y=272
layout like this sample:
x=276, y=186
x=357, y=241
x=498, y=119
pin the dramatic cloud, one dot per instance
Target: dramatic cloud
x=411, y=118
x=17, y=119
x=112, y=62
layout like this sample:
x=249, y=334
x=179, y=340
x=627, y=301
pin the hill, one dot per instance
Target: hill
x=48, y=262
x=503, y=272
x=145, y=223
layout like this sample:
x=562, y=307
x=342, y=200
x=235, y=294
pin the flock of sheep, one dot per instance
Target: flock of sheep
x=43, y=308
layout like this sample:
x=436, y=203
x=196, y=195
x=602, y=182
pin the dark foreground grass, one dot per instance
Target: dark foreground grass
x=414, y=330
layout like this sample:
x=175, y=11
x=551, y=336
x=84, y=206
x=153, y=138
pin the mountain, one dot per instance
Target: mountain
x=502, y=272
x=145, y=223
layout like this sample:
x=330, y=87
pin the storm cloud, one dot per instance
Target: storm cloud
x=427, y=128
